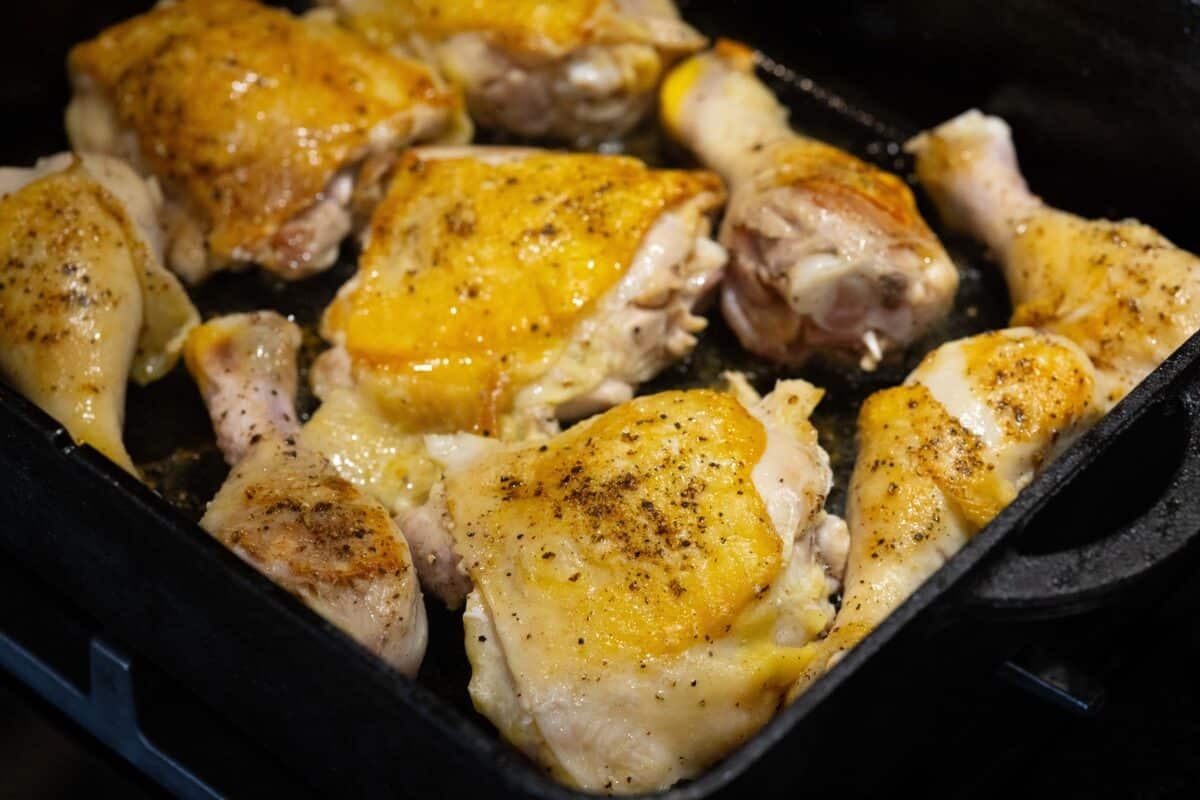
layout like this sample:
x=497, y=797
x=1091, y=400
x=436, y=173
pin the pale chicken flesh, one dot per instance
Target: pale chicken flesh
x=502, y=290
x=85, y=303
x=285, y=510
x=1120, y=290
x=581, y=71
x=656, y=571
x=258, y=125
x=942, y=454
x=828, y=254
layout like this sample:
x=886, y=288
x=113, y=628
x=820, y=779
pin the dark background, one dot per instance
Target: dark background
x=1105, y=101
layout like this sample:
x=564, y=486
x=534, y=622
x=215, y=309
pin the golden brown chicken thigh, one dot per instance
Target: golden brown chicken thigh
x=85, y=303
x=284, y=509
x=258, y=125
x=582, y=71
x=1120, y=290
x=501, y=290
x=644, y=587
x=941, y=455
x=827, y=253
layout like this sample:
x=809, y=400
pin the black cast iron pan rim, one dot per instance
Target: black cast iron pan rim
x=521, y=776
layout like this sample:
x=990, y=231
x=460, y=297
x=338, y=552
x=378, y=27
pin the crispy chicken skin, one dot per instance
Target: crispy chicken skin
x=655, y=571
x=85, y=303
x=284, y=509
x=828, y=254
x=942, y=454
x=257, y=124
x=502, y=290
x=580, y=71
x=1120, y=290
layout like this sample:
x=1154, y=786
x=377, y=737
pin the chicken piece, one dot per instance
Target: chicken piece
x=369, y=450
x=655, y=571
x=941, y=455
x=258, y=125
x=582, y=71
x=85, y=302
x=827, y=253
x=283, y=508
x=501, y=290
x=1120, y=290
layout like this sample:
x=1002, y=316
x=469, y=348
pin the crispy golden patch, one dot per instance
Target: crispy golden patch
x=905, y=431
x=1035, y=387
x=1120, y=290
x=849, y=185
x=69, y=304
x=248, y=111
x=285, y=508
x=641, y=524
x=84, y=305
x=476, y=274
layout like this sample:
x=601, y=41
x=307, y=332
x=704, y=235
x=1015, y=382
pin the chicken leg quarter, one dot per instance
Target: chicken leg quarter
x=285, y=510
x=1120, y=290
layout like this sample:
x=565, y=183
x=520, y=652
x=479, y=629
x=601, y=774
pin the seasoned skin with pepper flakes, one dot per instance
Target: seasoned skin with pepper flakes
x=285, y=510
x=501, y=290
x=258, y=124
x=942, y=454
x=1120, y=290
x=644, y=587
x=581, y=71
x=85, y=303
x=828, y=254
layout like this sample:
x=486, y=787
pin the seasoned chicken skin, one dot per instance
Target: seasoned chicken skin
x=285, y=510
x=941, y=455
x=257, y=124
x=827, y=253
x=654, y=572
x=582, y=71
x=502, y=290
x=1120, y=290
x=85, y=303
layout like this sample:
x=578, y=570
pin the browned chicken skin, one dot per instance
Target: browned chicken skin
x=941, y=455
x=257, y=123
x=285, y=510
x=656, y=571
x=828, y=254
x=85, y=303
x=501, y=290
x=1118, y=289
x=583, y=71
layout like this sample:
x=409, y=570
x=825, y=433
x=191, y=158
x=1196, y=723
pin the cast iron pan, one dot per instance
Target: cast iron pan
x=130, y=562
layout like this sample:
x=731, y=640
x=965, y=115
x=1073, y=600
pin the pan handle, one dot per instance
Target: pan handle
x=108, y=710
x=1066, y=582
